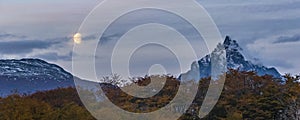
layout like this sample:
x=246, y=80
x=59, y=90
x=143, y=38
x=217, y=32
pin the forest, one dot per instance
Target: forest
x=245, y=96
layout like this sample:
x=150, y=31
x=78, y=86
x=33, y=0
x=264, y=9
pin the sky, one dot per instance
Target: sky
x=267, y=30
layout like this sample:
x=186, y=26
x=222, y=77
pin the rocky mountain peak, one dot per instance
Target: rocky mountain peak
x=230, y=44
x=234, y=60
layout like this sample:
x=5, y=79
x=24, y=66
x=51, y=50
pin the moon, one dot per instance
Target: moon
x=77, y=38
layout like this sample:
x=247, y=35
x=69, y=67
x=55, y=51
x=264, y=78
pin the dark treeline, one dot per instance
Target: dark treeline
x=245, y=96
x=58, y=104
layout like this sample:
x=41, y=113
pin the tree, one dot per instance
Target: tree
x=71, y=111
x=15, y=107
x=114, y=79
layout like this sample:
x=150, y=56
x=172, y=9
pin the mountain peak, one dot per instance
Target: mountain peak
x=234, y=60
x=230, y=44
x=227, y=39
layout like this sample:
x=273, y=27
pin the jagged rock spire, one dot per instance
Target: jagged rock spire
x=234, y=59
x=230, y=44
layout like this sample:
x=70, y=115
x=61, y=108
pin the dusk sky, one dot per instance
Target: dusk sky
x=267, y=30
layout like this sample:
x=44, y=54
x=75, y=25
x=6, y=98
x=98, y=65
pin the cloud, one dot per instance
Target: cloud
x=109, y=38
x=89, y=37
x=27, y=46
x=21, y=47
x=287, y=39
x=281, y=63
x=282, y=56
x=5, y=36
x=51, y=47
x=53, y=56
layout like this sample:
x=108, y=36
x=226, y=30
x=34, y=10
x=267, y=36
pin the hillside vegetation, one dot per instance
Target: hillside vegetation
x=245, y=96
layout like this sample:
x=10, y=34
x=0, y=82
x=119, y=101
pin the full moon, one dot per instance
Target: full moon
x=77, y=38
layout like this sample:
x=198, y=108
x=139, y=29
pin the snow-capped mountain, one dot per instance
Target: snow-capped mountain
x=234, y=60
x=30, y=75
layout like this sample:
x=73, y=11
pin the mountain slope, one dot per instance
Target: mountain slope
x=31, y=75
x=234, y=59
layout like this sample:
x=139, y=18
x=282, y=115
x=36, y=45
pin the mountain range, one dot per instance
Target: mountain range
x=234, y=60
x=31, y=75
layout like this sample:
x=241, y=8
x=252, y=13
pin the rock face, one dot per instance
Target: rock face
x=31, y=75
x=193, y=74
x=234, y=60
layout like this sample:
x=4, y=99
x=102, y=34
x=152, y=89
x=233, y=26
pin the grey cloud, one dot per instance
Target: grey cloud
x=7, y=35
x=27, y=46
x=287, y=39
x=53, y=56
x=89, y=37
x=263, y=7
x=20, y=47
x=280, y=63
x=108, y=38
